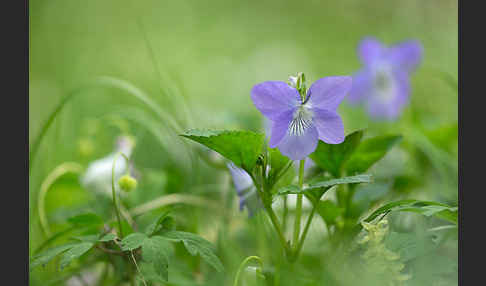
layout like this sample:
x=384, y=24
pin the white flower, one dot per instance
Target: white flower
x=98, y=174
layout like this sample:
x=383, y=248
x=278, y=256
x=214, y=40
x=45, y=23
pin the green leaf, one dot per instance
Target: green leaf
x=369, y=152
x=156, y=250
x=329, y=211
x=75, y=252
x=426, y=208
x=408, y=245
x=164, y=221
x=445, y=137
x=292, y=189
x=133, y=241
x=363, y=178
x=108, y=237
x=197, y=245
x=241, y=147
x=46, y=256
x=277, y=162
x=331, y=157
x=87, y=238
x=88, y=219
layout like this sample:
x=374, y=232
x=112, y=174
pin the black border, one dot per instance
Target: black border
x=15, y=132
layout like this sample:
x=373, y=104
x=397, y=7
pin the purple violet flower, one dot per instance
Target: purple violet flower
x=245, y=189
x=300, y=120
x=383, y=83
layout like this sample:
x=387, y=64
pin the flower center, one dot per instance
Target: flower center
x=384, y=84
x=301, y=121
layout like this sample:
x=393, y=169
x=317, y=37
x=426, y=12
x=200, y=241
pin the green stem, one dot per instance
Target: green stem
x=113, y=193
x=304, y=234
x=349, y=199
x=298, y=207
x=271, y=213
x=276, y=225
x=59, y=171
x=285, y=214
x=242, y=266
x=138, y=269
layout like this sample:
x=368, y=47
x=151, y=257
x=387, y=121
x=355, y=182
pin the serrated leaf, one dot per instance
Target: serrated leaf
x=156, y=250
x=75, y=252
x=163, y=221
x=369, y=152
x=196, y=245
x=329, y=211
x=107, y=237
x=133, y=241
x=426, y=208
x=331, y=157
x=46, y=256
x=87, y=219
x=87, y=238
x=241, y=147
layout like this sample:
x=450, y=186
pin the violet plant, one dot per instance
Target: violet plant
x=305, y=130
x=306, y=127
x=383, y=83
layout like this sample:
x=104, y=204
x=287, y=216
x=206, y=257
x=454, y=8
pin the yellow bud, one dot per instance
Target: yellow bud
x=127, y=183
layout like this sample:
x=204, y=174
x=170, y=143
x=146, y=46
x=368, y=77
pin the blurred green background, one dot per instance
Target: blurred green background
x=198, y=61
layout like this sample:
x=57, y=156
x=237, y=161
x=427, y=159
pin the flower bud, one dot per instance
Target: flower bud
x=127, y=183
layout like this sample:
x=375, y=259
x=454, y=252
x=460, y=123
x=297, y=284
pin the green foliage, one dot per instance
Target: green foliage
x=197, y=245
x=425, y=208
x=369, y=152
x=241, y=147
x=332, y=157
x=107, y=237
x=329, y=211
x=353, y=155
x=46, y=256
x=71, y=251
x=88, y=219
x=75, y=252
x=380, y=260
x=156, y=250
x=164, y=221
x=315, y=190
x=278, y=163
x=408, y=245
x=133, y=241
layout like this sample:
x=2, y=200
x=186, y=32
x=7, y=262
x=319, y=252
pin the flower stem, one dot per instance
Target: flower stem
x=285, y=214
x=275, y=223
x=242, y=266
x=304, y=234
x=298, y=207
x=117, y=210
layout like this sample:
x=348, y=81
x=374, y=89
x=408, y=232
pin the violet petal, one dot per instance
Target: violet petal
x=329, y=126
x=274, y=97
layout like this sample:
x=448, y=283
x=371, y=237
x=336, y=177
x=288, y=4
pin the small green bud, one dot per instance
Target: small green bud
x=127, y=183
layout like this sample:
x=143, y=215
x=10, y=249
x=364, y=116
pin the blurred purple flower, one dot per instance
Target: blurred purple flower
x=383, y=82
x=298, y=124
x=245, y=189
